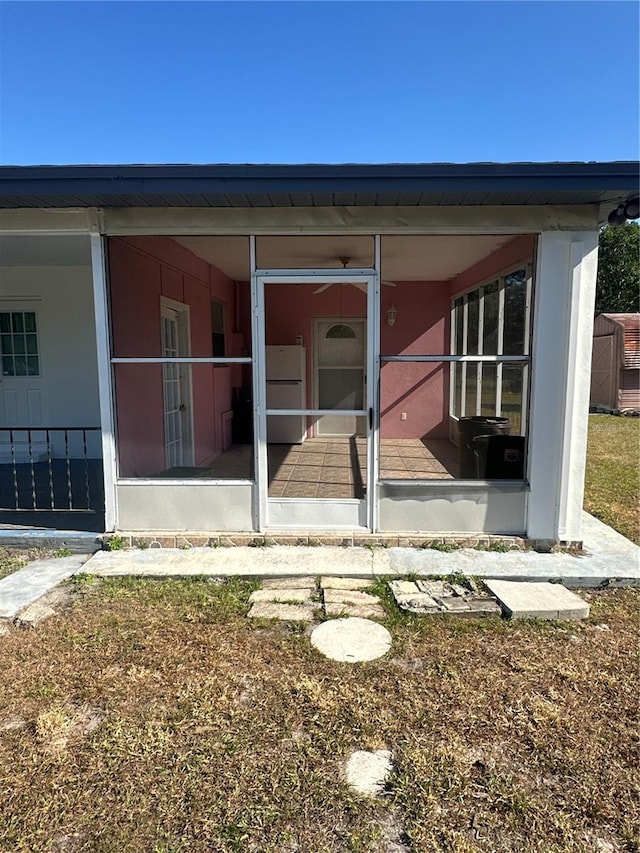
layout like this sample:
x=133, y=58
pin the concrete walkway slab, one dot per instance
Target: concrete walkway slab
x=29, y=583
x=276, y=560
x=609, y=559
x=538, y=600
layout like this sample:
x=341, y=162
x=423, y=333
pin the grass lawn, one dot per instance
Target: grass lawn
x=152, y=716
x=612, y=488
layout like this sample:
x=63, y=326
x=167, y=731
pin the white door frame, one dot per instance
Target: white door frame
x=317, y=512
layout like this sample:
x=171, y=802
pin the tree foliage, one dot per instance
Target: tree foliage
x=618, y=286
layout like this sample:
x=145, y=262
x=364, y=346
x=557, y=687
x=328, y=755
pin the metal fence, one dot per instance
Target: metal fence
x=51, y=468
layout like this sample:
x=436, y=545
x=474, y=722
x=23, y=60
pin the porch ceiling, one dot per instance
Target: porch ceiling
x=404, y=258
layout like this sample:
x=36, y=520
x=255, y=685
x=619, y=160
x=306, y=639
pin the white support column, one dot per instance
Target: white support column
x=105, y=390
x=560, y=371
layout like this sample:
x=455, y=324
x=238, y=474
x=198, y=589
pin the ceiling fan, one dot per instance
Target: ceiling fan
x=363, y=287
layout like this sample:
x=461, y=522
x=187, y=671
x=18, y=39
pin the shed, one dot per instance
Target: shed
x=615, y=365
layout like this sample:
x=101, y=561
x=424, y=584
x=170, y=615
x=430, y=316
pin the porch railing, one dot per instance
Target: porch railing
x=50, y=468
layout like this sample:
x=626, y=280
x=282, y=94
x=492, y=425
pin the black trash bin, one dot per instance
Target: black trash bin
x=468, y=429
x=499, y=457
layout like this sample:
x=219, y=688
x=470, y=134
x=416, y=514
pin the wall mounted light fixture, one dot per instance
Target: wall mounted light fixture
x=392, y=313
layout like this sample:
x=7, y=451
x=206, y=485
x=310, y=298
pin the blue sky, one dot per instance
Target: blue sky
x=132, y=82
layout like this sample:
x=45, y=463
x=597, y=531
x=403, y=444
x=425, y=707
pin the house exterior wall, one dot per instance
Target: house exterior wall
x=62, y=297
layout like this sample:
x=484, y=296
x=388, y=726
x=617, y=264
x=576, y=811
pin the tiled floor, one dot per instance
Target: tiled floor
x=336, y=467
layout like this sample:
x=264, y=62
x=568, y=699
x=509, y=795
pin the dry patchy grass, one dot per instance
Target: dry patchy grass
x=612, y=488
x=152, y=716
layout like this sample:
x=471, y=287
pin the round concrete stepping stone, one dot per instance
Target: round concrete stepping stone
x=351, y=640
x=367, y=772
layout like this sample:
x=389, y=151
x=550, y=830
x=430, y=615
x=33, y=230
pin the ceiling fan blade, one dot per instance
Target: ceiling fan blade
x=389, y=283
x=322, y=288
x=362, y=287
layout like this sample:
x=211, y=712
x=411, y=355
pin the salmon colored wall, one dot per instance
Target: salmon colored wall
x=519, y=250
x=422, y=327
x=420, y=390
x=141, y=270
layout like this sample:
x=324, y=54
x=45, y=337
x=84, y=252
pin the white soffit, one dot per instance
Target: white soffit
x=404, y=258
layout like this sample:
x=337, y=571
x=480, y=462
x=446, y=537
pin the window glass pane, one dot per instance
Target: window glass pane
x=459, y=320
x=457, y=388
x=29, y=321
x=512, y=395
x=6, y=342
x=7, y=365
x=470, y=385
x=32, y=365
x=488, y=404
x=18, y=344
x=490, y=329
x=514, y=312
x=17, y=321
x=5, y=322
x=340, y=330
x=472, y=323
x=32, y=344
x=186, y=421
x=20, y=366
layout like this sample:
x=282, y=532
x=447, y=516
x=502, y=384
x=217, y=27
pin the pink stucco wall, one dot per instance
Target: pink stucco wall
x=519, y=250
x=141, y=270
x=422, y=327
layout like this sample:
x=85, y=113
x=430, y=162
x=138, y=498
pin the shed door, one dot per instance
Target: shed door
x=603, y=391
x=340, y=375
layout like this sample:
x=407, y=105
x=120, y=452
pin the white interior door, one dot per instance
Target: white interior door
x=176, y=387
x=340, y=376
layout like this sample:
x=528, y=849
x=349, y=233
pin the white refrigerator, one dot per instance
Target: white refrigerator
x=286, y=389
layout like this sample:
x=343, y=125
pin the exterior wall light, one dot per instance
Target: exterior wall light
x=392, y=313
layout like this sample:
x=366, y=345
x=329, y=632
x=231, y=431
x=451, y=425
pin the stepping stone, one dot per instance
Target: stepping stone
x=351, y=640
x=366, y=611
x=419, y=602
x=349, y=596
x=284, y=612
x=484, y=606
x=404, y=588
x=432, y=587
x=367, y=772
x=289, y=583
x=345, y=583
x=302, y=596
x=524, y=600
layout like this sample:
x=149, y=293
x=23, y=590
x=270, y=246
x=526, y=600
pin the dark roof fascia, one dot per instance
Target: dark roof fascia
x=40, y=182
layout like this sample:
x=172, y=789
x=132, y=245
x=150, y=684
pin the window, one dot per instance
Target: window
x=19, y=343
x=490, y=325
x=340, y=331
x=217, y=329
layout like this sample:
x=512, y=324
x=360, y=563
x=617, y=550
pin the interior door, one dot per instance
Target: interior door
x=340, y=375
x=176, y=388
